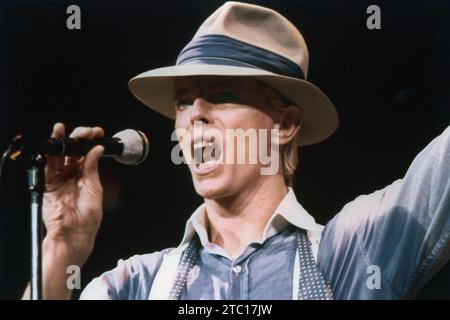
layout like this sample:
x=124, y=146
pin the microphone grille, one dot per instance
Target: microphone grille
x=135, y=146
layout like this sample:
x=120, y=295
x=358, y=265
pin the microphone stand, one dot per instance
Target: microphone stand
x=30, y=149
x=36, y=187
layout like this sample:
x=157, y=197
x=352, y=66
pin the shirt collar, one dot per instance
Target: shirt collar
x=289, y=211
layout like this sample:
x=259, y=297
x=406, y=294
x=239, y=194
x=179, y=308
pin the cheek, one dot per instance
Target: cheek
x=241, y=175
x=260, y=120
x=181, y=124
x=247, y=119
x=180, y=120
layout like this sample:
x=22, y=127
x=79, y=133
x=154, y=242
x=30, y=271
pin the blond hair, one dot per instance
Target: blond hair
x=289, y=152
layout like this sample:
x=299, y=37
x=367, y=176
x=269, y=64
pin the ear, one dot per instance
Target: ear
x=289, y=124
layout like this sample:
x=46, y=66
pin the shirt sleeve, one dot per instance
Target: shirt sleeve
x=403, y=229
x=131, y=279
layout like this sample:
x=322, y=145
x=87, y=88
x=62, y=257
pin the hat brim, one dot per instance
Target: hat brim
x=155, y=88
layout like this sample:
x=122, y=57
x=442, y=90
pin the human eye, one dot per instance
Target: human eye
x=223, y=96
x=183, y=103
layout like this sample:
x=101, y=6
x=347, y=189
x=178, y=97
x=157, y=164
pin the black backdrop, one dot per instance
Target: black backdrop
x=391, y=87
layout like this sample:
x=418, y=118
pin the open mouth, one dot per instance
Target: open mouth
x=206, y=152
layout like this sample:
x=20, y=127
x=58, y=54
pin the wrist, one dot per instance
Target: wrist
x=65, y=252
x=57, y=257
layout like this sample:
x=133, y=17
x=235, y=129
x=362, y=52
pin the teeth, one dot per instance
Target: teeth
x=205, y=152
x=203, y=144
x=207, y=164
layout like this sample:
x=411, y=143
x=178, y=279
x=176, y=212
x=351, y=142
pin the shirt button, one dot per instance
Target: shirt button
x=237, y=269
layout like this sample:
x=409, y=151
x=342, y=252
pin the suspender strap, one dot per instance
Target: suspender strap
x=308, y=282
x=312, y=285
x=164, y=278
x=187, y=263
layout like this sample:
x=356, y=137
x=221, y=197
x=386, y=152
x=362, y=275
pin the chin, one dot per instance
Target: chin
x=212, y=188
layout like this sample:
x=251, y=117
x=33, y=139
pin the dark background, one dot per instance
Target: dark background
x=390, y=86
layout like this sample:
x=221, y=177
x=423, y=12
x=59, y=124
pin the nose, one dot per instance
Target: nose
x=201, y=111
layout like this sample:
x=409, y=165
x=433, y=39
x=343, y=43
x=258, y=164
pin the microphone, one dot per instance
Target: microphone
x=128, y=146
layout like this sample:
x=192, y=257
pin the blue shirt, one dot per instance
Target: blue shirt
x=385, y=245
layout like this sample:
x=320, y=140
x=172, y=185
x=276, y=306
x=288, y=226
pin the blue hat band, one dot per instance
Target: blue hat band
x=222, y=50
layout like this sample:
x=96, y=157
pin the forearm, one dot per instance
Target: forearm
x=57, y=257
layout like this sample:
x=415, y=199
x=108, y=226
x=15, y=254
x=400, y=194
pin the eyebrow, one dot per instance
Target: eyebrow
x=181, y=92
x=212, y=88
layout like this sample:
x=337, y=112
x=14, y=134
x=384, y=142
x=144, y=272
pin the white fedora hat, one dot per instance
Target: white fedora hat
x=245, y=40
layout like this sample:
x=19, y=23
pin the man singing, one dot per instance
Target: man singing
x=246, y=69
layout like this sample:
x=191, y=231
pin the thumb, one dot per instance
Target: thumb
x=90, y=166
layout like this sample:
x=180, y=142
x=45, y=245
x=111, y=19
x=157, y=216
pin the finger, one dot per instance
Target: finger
x=59, y=130
x=98, y=132
x=90, y=165
x=82, y=132
x=78, y=133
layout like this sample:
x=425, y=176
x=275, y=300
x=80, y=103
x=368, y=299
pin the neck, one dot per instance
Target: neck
x=238, y=220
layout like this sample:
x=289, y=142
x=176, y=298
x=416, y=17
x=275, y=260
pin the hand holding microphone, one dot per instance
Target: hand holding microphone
x=73, y=202
x=71, y=198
